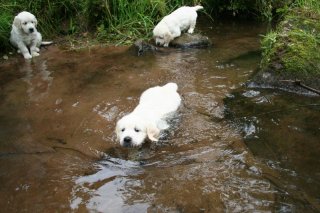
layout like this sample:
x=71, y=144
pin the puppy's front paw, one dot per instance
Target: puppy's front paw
x=190, y=31
x=34, y=54
x=27, y=56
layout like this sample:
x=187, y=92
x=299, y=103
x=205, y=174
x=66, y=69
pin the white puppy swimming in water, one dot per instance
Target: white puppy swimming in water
x=149, y=117
x=171, y=26
x=24, y=35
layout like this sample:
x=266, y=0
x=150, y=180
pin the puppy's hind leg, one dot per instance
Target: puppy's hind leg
x=192, y=26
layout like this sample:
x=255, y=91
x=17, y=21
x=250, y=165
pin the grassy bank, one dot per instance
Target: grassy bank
x=293, y=47
x=118, y=21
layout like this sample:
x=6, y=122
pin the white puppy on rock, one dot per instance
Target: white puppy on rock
x=24, y=35
x=149, y=117
x=171, y=26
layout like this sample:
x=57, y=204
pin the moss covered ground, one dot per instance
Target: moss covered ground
x=294, y=46
x=290, y=52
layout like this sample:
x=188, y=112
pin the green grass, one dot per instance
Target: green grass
x=5, y=26
x=314, y=5
x=125, y=22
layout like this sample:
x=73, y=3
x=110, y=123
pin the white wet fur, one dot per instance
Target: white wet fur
x=149, y=117
x=171, y=26
x=24, y=35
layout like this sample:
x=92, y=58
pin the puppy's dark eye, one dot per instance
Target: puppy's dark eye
x=137, y=130
x=24, y=23
x=122, y=130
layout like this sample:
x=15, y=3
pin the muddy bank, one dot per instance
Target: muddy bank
x=291, y=53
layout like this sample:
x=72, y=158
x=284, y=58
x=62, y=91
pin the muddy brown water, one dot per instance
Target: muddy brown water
x=58, y=150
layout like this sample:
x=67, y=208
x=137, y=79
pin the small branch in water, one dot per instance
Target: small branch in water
x=298, y=83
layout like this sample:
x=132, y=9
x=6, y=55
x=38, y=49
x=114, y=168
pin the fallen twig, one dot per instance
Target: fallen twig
x=298, y=83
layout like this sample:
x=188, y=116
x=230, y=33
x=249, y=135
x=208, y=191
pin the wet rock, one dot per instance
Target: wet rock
x=285, y=81
x=141, y=47
x=187, y=40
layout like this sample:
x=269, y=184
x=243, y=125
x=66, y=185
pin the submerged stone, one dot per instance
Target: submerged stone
x=187, y=40
x=140, y=47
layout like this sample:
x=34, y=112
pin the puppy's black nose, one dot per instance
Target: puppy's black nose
x=31, y=30
x=127, y=141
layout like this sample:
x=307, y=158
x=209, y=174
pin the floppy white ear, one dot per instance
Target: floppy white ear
x=35, y=21
x=168, y=37
x=17, y=22
x=153, y=133
x=117, y=131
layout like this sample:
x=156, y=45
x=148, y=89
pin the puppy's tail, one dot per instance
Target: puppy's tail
x=198, y=7
x=46, y=43
x=171, y=86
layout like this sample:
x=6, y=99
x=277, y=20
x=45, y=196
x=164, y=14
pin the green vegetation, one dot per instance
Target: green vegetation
x=293, y=48
x=117, y=21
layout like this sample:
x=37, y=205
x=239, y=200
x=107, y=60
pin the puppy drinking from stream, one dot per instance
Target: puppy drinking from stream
x=172, y=25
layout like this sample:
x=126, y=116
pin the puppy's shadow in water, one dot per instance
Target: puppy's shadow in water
x=142, y=155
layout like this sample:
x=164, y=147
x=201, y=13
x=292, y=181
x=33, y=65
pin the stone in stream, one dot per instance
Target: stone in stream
x=186, y=40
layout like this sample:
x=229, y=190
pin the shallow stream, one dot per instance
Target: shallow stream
x=231, y=148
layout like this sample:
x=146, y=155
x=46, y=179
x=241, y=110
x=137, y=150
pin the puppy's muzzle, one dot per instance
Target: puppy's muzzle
x=127, y=142
x=31, y=30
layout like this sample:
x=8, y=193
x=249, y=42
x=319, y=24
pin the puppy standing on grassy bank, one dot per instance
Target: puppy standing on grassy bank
x=171, y=26
x=24, y=35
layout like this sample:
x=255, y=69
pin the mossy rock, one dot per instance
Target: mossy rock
x=291, y=52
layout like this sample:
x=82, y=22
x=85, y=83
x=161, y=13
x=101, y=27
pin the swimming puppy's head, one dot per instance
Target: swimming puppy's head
x=132, y=131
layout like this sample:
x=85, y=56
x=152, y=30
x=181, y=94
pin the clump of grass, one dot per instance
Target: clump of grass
x=5, y=26
x=267, y=45
x=313, y=5
x=126, y=21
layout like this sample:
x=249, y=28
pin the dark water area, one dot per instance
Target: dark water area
x=282, y=130
x=230, y=149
